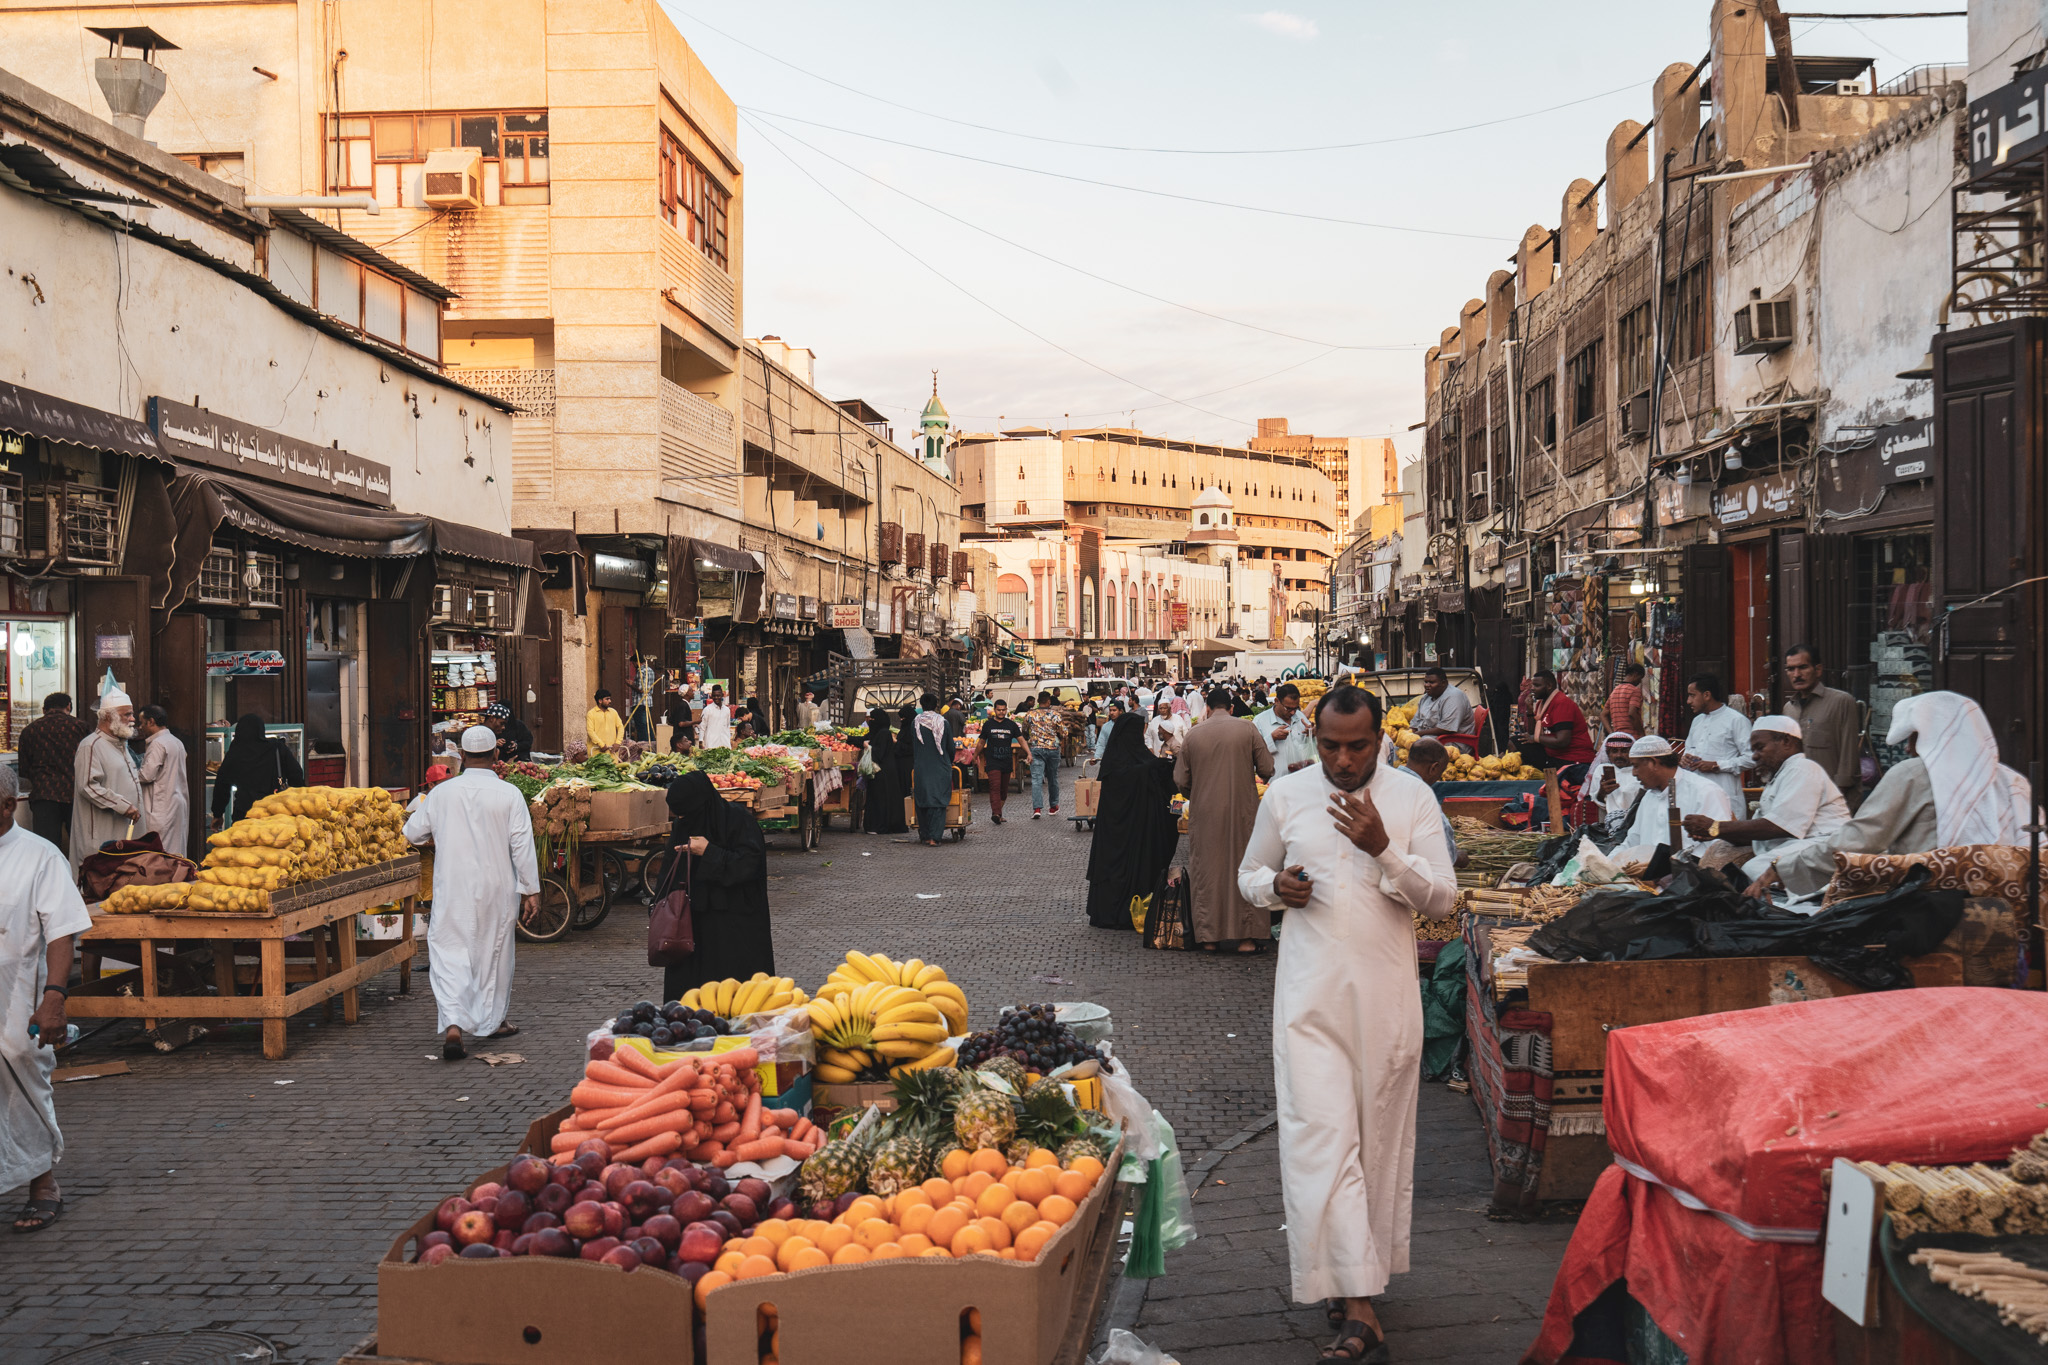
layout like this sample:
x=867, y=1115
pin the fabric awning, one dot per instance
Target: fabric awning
x=726, y=557
x=552, y=545
x=29, y=413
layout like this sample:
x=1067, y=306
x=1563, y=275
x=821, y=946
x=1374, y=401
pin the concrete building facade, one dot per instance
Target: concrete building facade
x=1363, y=470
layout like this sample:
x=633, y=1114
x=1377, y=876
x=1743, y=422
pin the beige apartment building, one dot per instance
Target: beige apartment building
x=571, y=170
x=1127, y=486
x=1363, y=469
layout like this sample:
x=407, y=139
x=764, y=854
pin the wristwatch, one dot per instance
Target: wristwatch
x=1714, y=830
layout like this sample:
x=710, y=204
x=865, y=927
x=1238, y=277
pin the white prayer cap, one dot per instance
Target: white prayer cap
x=1777, y=725
x=1651, y=746
x=1620, y=737
x=115, y=699
x=478, y=739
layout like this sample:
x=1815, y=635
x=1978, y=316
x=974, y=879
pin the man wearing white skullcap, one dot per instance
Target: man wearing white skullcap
x=106, y=800
x=1655, y=766
x=1800, y=801
x=1951, y=791
x=484, y=874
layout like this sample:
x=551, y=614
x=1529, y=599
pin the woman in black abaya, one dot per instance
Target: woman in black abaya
x=882, y=811
x=1135, y=832
x=728, y=872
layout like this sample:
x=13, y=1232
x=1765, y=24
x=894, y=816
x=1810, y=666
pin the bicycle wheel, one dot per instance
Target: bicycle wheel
x=618, y=873
x=653, y=868
x=597, y=891
x=549, y=919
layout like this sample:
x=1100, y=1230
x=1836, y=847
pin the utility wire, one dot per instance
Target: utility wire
x=1134, y=189
x=1020, y=326
x=1164, y=151
x=1080, y=270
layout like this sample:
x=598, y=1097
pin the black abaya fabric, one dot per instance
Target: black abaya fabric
x=906, y=750
x=728, y=888
x=1135, y=831
x=882, y=812
x=932, y=764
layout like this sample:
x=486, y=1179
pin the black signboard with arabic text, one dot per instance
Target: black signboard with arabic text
x=2009, y=124
x=1905, y=451
x=207, y=438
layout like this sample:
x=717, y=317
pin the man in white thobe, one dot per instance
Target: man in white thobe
x=1613, y=778
x=1353, y=849
x=40, y=910
x=484, y=874
x=1284, y=727
x=1717, y=745
x=1800, y=802
x=106, y=800
x=166, y=797
x=714, y=731
x=1165, y=731
x=1655, y=764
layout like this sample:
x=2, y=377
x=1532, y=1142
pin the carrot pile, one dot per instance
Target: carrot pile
x=704, y=1107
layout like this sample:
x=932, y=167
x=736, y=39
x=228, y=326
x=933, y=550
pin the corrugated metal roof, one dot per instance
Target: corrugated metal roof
x=334, y=239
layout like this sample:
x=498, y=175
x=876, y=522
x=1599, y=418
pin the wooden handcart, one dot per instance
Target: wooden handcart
x=576, y=896
x=323, y=911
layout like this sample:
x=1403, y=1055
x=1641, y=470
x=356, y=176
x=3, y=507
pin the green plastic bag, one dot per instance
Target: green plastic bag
x=1443, y=1010
x=1166, y=1215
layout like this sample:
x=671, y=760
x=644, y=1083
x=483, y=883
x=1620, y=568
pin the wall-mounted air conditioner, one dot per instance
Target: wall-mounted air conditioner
x=453, y=179
x=1763, y=325
x=1478, y=483
x=1635, y=415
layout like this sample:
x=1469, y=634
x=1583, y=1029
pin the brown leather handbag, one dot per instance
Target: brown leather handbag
x=671, y=930
x=131, y=862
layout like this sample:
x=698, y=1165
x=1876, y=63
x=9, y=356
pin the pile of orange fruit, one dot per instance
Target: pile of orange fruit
x=979, y=1205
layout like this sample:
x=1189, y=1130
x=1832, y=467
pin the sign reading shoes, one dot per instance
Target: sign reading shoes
x=218, y=442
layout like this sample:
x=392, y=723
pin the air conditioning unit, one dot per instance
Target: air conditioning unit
x=1763, y=325
x=453, y=179
x=1635, y=416
x=1859, y=86
x=1478, y=483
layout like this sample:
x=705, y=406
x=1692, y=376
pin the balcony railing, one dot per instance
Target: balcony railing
x=531, y=391
x=699, y=446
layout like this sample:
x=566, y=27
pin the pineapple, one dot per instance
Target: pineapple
x=925, y=1099
x=1010, y=1069
x=1018, y=1151
x=829, y=1173
x=1046, y=1117
x=899, y=1162
x=1078, y=1147
x=984, y=1119
x=1044, y=1086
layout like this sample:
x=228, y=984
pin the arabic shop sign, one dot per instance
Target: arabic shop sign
x=2009, y=124
x=1767, y=499
x=1905, y=451
x=207, y=438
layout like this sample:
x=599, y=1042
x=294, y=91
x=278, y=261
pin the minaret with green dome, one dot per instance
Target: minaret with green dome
x=933, y=425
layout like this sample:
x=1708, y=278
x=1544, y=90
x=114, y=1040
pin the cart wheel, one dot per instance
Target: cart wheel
x=549, y=919
x=618, y=875
x=652, y=869
x=599, y=880
x=807, y=823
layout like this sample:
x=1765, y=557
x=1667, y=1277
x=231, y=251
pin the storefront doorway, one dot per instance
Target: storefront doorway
x=1749, y=621
x=1891, y=627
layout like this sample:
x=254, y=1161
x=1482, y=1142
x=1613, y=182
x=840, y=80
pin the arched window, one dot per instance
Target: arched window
x=1088, y=608
x=1152, y=612
x=1205, y=519
x=1112, y=474
x=1013, y=603
x=1109, y=611
x=1131, y=613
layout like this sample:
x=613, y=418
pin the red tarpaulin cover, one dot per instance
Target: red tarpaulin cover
x=1744, y=1112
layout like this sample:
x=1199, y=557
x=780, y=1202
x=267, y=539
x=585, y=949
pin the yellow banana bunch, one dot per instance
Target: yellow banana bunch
x=897, y=1013
x=759, y=994
x=943, y=1056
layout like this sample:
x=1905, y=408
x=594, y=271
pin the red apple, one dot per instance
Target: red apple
x=714, y=1184
x=483, y=1194
x=692, y=1271
x=478, y=1251
x=584, y=1221
x=434, y=1255
x=633, y=1232
x=692, y=1206
x=566, y=1174
x=504, y=1240
x=617, y=1177
x=785, y=1210
x=596, y=1247
x=726, y=1219
x=653, y=1166
x=436, y=1238
x=742, y=1208
x=527, y=1174
x=598, y=1146
x=475, y=1226
x=664, y=1229
x=642, y=1197
x=551, y=1242
x=601, y=1048
x=591, y=1191
x=673, y=1180
x=756, y=1190
x=511, y=1209
x=647, y=1249
x=625, y=1258
x=522, y=1245
x=614, y=1218
x=540, y=1220
x=701, y=1242
x=450, y=1209
x=553, y=1199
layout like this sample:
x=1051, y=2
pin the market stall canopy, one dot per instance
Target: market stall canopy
x=558, y=549
x=725, y=556
x=29, y=413
x=687, y=558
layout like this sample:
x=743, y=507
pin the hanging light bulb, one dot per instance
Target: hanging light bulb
x=24, y=643
x=1682, y=476
x=1734, y=458
x=252, y=576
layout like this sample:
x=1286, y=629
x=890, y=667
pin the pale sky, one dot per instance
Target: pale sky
x=1192, y=75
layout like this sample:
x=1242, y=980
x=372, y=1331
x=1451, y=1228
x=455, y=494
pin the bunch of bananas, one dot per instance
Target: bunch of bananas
x=760, y=994
x=873, y=1014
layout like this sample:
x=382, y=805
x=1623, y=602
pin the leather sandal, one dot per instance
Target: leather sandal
x=1355, y=1342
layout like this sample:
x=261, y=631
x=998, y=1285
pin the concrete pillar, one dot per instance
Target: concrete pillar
x=1749, y=119
x=1432, y=369
x=1628, y=168
x=1532, y=262
x=1500, y=303
x=1472, y=327
x=1581, y=219
x=1678, y=116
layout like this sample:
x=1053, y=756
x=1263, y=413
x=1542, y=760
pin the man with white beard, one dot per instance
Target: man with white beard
x=107, y=785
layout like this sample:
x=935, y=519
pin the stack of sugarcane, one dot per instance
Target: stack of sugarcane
x=1975, y=1199
x=1491, y=852
x=2018, y=1291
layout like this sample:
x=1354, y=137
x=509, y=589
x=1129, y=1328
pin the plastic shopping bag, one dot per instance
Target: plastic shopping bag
x=1166, y=1214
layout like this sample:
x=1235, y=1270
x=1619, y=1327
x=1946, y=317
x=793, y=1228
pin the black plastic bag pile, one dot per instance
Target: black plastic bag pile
x=1701, y=913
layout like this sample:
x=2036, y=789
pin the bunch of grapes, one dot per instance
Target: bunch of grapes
x=667, y=1025
x=1033, y=1036
x=660, y=775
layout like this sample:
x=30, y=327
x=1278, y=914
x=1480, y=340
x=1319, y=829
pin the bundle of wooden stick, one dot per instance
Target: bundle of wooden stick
x=2018, y=1291
x=1434, y=930
x=1539, y=903
x=1974, y=1199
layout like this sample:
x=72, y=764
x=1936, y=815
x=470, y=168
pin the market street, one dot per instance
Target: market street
x=210, y=1188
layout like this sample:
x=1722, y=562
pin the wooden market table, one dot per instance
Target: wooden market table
x=323, y=911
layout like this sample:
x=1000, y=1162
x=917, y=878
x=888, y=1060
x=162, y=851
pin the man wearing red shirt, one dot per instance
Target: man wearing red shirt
x=1625, y=703
x=1562, y=736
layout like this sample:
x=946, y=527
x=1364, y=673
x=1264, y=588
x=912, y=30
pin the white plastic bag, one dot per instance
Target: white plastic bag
x=1121, y=1100
x=1125, y=1348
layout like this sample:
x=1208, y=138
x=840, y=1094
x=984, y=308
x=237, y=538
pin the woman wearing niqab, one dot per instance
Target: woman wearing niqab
x=720, y=844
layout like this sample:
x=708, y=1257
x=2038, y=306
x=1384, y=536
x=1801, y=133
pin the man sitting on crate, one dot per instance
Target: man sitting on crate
x=485, y=875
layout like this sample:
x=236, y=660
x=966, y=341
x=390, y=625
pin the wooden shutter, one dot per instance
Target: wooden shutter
x=397, y=743
x=180, y=688
x=1789, y=596
x=113, y=615
x=1988, y=526
x=1707, y=646
x=1831, y=564
x=614, y=640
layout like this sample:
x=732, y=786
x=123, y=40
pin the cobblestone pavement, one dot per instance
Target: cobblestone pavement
x=210, y=1188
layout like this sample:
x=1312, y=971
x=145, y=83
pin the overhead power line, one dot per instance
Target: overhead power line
x=1014, y=322
x=1133, y=189
x=1162, y=151
x=1081, y=270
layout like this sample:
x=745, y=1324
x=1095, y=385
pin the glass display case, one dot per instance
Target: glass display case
x=39, y=654
x=462, y=678
x=218, y=737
